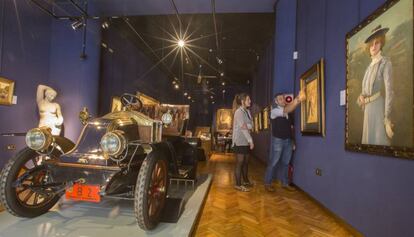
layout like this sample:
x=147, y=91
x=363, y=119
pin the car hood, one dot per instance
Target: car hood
x=88, y=145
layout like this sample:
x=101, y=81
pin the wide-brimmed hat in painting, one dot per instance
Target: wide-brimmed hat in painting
x=377, y=31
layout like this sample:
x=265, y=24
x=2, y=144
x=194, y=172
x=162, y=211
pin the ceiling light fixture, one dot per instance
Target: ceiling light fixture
x=176, y=86
x=181, y=43
x=223, y=83
x=77, y=24
x=222, y=74
x=105, y=25
x=224, y=91
x=185, y=93
x=189, y=97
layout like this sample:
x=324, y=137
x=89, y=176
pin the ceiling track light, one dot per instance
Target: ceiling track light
x=77, y=24
x=105, y=25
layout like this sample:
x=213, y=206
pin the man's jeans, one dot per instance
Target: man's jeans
x=282, y=150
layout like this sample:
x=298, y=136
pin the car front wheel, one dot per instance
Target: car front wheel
x=151, y=190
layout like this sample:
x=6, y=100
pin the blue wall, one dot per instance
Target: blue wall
x=75, y=79
x=372, y=193
x=39, y=50
x=262, y=92
x=25, y=60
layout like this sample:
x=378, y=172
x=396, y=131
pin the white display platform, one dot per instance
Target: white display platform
x=110, y=218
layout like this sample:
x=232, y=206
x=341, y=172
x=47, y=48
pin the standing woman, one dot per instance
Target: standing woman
x=377, y=93
x=242, y=140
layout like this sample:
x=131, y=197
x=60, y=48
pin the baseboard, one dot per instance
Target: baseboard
x=350, y=228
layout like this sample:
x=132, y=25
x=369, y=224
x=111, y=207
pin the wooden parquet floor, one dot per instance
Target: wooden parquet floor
x=228, y=212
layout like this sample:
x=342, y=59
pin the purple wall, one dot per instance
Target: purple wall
x=39, y=50
x=76, y=80
x=372, y=193
x=262, y=91
x=24, y=59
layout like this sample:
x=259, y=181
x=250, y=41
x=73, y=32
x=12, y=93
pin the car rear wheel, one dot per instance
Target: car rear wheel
x=151, y=190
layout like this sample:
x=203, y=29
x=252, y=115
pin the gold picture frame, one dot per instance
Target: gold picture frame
x=313, y=108
x=379, y=116
x=266, y=121
x=260, y=119
x=224, y=120
x=6, y=91
x=256, y=123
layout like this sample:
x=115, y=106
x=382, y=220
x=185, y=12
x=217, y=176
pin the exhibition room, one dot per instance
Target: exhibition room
x=206, y=118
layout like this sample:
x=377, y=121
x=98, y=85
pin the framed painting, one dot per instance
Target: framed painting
x=260, y=120
x=266, y=121
x=224, y=120
x=256, y=123
x=379, y=82
x=313, y=109
x=6, y=91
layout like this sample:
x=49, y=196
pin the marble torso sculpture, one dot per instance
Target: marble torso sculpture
x=49, y=111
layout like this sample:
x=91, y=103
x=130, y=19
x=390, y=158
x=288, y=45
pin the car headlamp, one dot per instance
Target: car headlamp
x=113, y=143
x=39, y=139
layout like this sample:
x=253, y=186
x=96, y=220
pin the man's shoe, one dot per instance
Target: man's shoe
x=269, y=188
x=289, y=188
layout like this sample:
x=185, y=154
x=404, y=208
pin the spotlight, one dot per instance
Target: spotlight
x=223, y=83
x=224, y=91
x=77, y=24
x=105, y=25
x=213, y=102
x=222, y=74
x=189, y=97
x=174, y=82
x=181, y=43
x=211, y=97
x=176, y=86
x=185, y=93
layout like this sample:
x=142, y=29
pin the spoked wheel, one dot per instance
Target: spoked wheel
x=151, y=190
x=20, y=185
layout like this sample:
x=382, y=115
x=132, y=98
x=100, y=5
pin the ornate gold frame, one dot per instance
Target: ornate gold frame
x=9, y=99
x=308, y=128
x=393, y=151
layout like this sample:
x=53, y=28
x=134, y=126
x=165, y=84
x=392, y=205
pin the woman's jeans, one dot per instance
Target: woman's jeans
x=282, y=150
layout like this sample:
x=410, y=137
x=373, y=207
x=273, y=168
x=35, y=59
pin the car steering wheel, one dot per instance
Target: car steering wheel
x=130, y=100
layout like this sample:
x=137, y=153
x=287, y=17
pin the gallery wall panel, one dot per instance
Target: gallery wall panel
x=369, y=192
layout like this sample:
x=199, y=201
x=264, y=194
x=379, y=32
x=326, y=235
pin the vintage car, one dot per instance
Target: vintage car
x=120, y=155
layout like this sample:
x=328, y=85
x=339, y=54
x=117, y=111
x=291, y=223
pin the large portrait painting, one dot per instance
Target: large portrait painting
x=313, y=109
x=224, y=120
x=6, y=91
x=379, y=82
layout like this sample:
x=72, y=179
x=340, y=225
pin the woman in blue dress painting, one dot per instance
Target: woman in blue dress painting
x=377, y=93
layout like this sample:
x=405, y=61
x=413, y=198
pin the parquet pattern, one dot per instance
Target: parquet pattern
x=228, y=212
